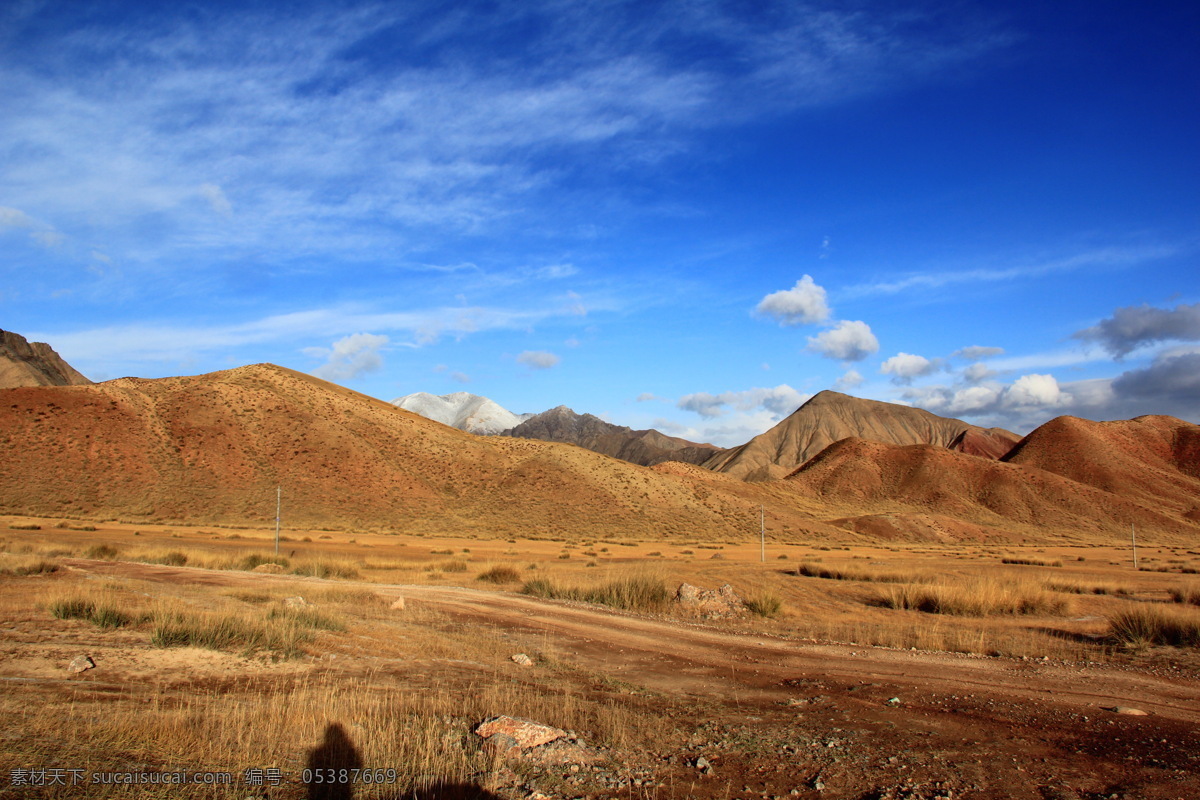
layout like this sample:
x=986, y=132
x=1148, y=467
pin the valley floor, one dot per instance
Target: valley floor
x=393, y=678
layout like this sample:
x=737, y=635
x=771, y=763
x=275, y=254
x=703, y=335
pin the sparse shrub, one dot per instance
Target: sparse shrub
x=24, y=527
x=78, y=607
x=446, y=552
x=102, y=551
x=29, y=566
x=325, y=568
x=1187, y=594
x=1031, y=562
x=636, y=593
x=248, y=563
x=1148, y=625
x=765, y=604
x=811, y=569
x=975, y=598
x=500, y=574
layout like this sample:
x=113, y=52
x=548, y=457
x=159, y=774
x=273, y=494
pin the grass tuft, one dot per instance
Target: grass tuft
x=634, y=593
x=765, y=604
x=1149, y=625
x=976, y=598
x=500, y=574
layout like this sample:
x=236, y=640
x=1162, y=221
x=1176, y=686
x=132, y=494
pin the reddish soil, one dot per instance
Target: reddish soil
x=779, y=718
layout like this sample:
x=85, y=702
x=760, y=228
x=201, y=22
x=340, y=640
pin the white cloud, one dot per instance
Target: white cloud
x=903, y=367
x=803, y=304
x=778, y=401
x=851, y=380
x=538, y=359
x=1111, y=257
x=460, y=377
x=974, y=373
x=846, y=341
x=1038, y=391
x=646, y=397
x=350, y=357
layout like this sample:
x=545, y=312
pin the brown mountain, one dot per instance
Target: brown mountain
x=829, y=417
x=882, y=486
x=212, y=449
x=646, y=447
x=24, y=363
x=1154, y=460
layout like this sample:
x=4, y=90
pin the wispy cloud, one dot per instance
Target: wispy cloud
x=1100, y=257
x=313, y=133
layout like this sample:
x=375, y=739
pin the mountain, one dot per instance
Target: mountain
x=463, y=410
x=829, y=417
x=882, y=487
x=647, y=447
x=1154, y=460
x=210, y=449
x=24, y=363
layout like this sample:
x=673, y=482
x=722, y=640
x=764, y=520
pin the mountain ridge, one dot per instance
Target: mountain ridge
x=828, y=417
x=25, y=363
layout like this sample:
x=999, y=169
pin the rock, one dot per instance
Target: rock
x=702, y=764
x=398, y=604
x=81, y=664
x=525, y=733
x=296, y=602
x=1128, y=711
x=722, y=602
x=522, y=659
x=500, y=744
x=274, y=569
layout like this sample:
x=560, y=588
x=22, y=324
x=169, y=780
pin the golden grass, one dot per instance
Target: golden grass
x=810, y=569
x=281, y=630
x=635, y=593
x=1155, y=624
x=1189, y=595
x=502, y=573
x=24, y=565
x=979, y=597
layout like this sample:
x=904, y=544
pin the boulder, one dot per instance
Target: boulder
x=722, y=602
x=524, y=733
x=81, y=664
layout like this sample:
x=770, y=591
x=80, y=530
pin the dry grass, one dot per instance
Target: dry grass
x=102, y=613
x=1088, y=587
x=281, y=630
x=1189, y=595
x=1155, y=624
x=811, y=569
x=979, y=597
x=500, y=574
x=636, y=593
x=1032, y=562
x=765, y=604
x=21, y=566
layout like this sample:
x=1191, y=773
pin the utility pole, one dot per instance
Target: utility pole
x=762, y=535
x=1133, y=539
x=278, y=506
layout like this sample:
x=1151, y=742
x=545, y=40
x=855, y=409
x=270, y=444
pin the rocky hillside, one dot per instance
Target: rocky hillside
x=647, y=447
x=24, y=363
x=829, y=417
x=212, y=448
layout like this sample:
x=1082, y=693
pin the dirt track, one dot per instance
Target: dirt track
x=961, y=725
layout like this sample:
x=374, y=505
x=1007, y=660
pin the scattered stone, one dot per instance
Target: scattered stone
x=81, y=664
x=701, y=763
x=525, y=733
x=500, y=745
x=722, y=602
x=274, y=569
x=1128, y=711
x=895, y=701
x=296, y=602
x=398, y=604
x=522, y=659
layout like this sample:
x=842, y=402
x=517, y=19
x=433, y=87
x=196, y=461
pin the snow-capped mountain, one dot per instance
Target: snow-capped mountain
x=462, y=410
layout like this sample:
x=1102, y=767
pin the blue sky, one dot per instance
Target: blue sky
x=687, y=215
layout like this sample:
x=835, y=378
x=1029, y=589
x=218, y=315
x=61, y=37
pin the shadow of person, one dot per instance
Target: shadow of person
x=331, y=765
